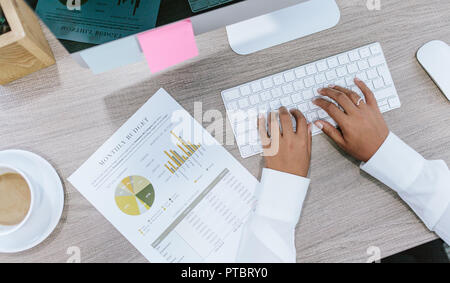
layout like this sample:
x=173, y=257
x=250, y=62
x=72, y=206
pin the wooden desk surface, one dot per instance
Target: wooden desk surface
x=64, y=113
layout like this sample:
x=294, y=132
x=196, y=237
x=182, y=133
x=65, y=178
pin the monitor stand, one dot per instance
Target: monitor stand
x=282, y=26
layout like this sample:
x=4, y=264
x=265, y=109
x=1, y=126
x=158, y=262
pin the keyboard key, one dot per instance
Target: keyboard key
x=246, y=150
x=231, y=94
x=382, y=102
x=263, y=108
x=384, y=93
x=303, y=107
x=257, y=148
x=309, y=82
x=275, y=105
x=369, y=84
x=254, y=99
x=311, y=69
x=340, y=82
x=286, y=101
x=385, y=108
x=341, y=71
x=308, y=94
x=372, y=74
x=354, y=56
x=320, y=79
x=331, y=75
x=243, y=103
x=352, y=68
x=312, y=117
x=332, y=62
x=375, y=49
x=322, y=66
x=298, y=85
x=378, y=83
x=300, y=72
x=363, y=65
x=253, y=138
x=343, y=59
x=364, y=52
x=296, y=98
x=394, y=102
x=278, y=79
x=289, y=76
x=237, y=118
x=362, y=76
x=256, y=86
x=267, y=83
x=375, y=61
x=232, y=106
x=350, y=81
x=265, y=96
x=288, y=89
x=245, y=90
x=384, y=72
x=277, y=92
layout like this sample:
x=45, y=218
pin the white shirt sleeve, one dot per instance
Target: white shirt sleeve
x=423, y=184
x=269, y=234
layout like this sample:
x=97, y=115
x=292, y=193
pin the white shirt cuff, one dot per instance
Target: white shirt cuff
x=282, y=195
x=419, y=182
x=442, y=228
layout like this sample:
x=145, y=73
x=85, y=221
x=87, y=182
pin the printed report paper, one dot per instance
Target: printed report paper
x=169, y=187
x=98, y=21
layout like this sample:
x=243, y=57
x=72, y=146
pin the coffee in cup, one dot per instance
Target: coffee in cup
x=15, y=199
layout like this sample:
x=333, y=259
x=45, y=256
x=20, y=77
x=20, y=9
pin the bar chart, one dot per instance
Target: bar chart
x=179, y=156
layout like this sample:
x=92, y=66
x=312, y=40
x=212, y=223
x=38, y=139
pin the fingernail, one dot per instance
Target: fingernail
x=318, y=125
x=320, y=90
x=332, y=86
x=357, y=80
x=260, y=116
x=310, y=128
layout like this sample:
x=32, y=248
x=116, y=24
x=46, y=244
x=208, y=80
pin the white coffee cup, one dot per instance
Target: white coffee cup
x=34, y=192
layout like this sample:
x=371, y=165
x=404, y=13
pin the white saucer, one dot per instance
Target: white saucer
x=51, y=204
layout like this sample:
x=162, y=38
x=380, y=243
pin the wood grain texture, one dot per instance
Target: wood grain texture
x=24, y=49
x=64, y=113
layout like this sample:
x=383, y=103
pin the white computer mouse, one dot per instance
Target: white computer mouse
x=435, y=59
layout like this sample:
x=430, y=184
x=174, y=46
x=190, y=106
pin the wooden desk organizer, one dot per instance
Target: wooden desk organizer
x=24, y=49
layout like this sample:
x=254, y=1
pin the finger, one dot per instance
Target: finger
x=332, y=110
x=300, y=119
x=262, y=129
x=341, y=98
x=331, y=131
x=286, y=121
x=368, y=94
x=274, y=126
x=354, y=97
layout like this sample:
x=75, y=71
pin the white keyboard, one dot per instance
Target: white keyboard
x=297, y=88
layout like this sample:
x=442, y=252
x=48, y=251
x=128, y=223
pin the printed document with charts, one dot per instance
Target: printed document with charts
x=169, y=187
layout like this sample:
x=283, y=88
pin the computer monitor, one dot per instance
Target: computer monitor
x=252, y=25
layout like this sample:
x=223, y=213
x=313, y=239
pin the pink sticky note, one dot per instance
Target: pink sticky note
x=168, y=45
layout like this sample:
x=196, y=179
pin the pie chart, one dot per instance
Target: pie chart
x=134, y=195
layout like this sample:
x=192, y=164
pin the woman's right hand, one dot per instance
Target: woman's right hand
x=362, y=127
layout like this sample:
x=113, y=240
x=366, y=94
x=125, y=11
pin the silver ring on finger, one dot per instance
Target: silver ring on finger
x=359, y=101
